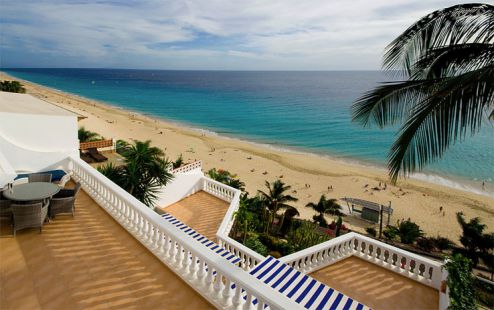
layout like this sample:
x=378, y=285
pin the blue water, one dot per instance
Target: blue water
x=303, y=110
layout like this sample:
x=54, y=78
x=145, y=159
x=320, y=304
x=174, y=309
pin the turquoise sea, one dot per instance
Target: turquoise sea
x=307, y=111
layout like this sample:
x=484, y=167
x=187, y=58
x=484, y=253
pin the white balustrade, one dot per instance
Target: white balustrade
x=210, y=275
x=196, y=165
x=248, y=258
x=320, y=255
x=219, y=190
x=410, y=265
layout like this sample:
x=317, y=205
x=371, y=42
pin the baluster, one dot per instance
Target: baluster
x=154, y=237
x=227, y=290
x=178, y=254
x=193, y=266
x=161, y=242
x=260, y=304
x=202, y=269
x=237, y=299
x=210, y=276
x=248, y=302
x=186, y=259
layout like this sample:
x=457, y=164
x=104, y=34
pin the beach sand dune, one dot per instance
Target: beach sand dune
x=309, y=175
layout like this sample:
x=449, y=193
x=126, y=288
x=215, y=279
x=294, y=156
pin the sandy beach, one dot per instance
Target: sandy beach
x=309, y=175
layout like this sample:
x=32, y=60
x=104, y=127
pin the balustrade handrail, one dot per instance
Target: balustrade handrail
x=316, y=248
x=411, y=255
x=232, y=191
x=240, y=247
x=189, y=167
x=232, y=273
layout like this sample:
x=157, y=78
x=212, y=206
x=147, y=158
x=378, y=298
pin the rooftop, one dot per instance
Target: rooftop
x=377, y=287
x=88, y=261
x=27, y=104
x=201, y=211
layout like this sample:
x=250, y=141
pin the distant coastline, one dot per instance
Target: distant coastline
x=442, y=178
x=255, y=163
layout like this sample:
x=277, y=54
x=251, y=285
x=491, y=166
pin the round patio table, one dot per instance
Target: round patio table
x=32, y=191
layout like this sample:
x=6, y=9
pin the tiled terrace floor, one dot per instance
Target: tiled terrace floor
x=201, y=211
x=86, y=262
x=377, y=287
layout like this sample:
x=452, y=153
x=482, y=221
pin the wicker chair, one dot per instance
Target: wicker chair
x=29, y=215
x=64, y=201
x=62, y=205
x=5, y=209
x=39, y=177
x=68, y=192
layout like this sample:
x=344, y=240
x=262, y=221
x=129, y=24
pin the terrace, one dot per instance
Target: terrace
x=375, y=286
x=88, y=261
x=117, y=252
x=202, y=211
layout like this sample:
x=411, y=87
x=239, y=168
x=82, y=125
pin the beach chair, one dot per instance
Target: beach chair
x=85, y=157
x=93, y=152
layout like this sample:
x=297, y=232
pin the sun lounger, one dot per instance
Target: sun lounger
x=85, y=157
x=93, y=152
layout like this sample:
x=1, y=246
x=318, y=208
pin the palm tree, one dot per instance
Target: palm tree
x=144, y=173
x=288, y=215
x=86, y=135
x=477, y=245
x=275, y=199
x=447, y=62
x=325, y=206
x=227, y=178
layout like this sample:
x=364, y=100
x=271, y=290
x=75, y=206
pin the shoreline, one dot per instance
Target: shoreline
x=320, y=171
x=450, y=181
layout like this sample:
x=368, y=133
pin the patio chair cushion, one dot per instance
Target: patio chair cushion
x=56, y=175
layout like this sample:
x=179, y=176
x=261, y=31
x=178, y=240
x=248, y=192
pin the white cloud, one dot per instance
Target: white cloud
x=316, y=34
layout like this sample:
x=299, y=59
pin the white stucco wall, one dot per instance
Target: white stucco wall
x=181, y=186
x=34, y=142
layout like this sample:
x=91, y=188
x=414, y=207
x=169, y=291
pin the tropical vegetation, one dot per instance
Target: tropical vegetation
x=226, y=177
x=144, y=172
x=478, y=246
x=324, y=206
x=87, y=136
x=267, y=222
x=12, y=87
x=460, y=283
x=446, y=60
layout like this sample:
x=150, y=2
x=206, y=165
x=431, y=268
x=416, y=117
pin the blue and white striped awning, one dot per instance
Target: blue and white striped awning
x=301, y=288
x=202, y=239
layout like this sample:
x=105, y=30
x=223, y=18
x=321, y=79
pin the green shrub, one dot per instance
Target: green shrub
x=461, y=283
x=12, y=87
x=390, y=232
x=306, y=236
x=426, y=244
x=443, y=243
x=408, y=231
x=320, y=220
x=371, y=231
x=255, y=244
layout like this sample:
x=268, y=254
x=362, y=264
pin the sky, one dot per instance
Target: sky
x=204, y=34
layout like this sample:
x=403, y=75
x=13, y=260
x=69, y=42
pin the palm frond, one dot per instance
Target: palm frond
x=457, y=107
x=453, y=25
x=390, y=102
x=453, y=60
